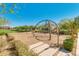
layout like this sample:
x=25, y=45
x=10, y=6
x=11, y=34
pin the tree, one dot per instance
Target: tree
x=72, y=26
x=4, y=9
x=77, y=20
x=63, y=27
x=69, y=25
x=23, y=28
x=3, y=21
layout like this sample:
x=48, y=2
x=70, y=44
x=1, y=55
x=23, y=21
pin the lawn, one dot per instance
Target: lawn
x=2, y=31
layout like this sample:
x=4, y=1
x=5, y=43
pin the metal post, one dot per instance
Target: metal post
x=58, y=37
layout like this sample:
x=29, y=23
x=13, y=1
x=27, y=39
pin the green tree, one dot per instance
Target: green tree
x=71, y=26
x=10, y=9
x=77, y=20
x=23, y=28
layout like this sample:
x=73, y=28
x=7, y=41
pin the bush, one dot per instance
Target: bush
x=65, y=32
x=23, y=49
x=2, y=43
x=68, y=44
x=23, y=28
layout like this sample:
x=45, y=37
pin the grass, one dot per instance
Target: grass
x=3, y=31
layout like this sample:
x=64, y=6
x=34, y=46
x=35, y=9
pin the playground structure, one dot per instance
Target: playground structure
x=47, y=30
x=44, y=40
x=44, y=31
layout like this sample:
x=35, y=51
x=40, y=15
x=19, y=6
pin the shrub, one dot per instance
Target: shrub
x=68, y=44
x=23, y=28
x=65, y=32
x=2, y=43
x=23, y=49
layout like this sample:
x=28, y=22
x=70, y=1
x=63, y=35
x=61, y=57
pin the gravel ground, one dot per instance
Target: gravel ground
x=27, y=38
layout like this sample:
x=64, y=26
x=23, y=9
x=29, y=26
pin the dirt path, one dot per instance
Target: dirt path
x=25, y=37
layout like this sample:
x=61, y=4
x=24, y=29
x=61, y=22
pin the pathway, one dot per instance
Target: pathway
x=42, y=49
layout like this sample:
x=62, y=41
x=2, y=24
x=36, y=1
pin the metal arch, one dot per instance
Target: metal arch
x=46, y=20
x=50, y=32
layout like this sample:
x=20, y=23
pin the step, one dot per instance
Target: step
x=49, y=52
x=40, y=48
x=35, y=45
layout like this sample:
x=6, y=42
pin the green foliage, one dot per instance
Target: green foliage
x=77, y=21
x=68, y=44
x=42, y=28
x=68, y=25
x=64, y=32
x=9, y=10
x=23, y=28
x=2, y=31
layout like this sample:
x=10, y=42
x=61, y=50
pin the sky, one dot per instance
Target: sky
x=32, y=13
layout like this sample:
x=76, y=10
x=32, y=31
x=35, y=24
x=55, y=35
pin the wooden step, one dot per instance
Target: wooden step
x=40, y=48
x=35, y=45
x=49, y=52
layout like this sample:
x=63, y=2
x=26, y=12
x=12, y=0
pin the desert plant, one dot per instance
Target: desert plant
x=14, y=48
x=2, y=43
x=23, y=49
